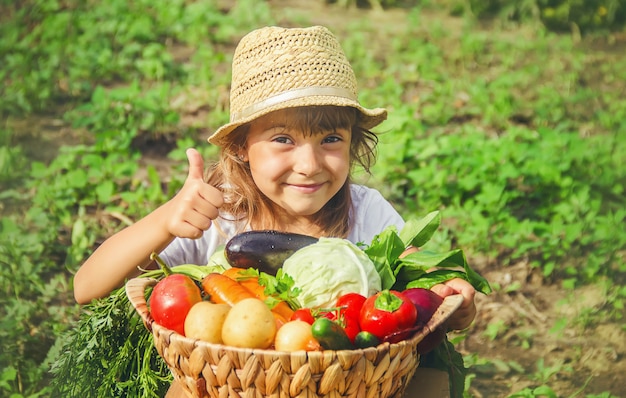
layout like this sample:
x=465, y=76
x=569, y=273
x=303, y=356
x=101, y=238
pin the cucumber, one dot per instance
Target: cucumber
x=264, y=250
x=365, y=339
x=330, y=335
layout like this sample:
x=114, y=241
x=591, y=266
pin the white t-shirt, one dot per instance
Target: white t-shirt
x=372, y=214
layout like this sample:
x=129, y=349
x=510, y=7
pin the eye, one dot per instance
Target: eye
x=338, y=135
x=332, y=139
x=279, y=134
x=282, y=139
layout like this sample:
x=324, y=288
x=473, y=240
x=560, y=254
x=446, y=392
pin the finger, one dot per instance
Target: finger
x=196, y=165
x=199, y=221
x=213, y=196
x=442, y=290
x=409, y=250
x=190, y=224
x=463, y=287
x=206, y=208
x=190, y=231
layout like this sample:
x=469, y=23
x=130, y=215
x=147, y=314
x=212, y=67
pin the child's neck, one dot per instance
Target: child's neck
x=311, y=230
x=303, y=226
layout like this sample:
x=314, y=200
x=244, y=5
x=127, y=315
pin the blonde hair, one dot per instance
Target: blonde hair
x=243, y=200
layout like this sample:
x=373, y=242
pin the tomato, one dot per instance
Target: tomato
x=171, y=300
x=303, y=314
x=349, y=308
x=388, y=312
x=350, y=304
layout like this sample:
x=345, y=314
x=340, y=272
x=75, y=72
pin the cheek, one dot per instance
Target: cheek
x=266, y=167
x=339, y=163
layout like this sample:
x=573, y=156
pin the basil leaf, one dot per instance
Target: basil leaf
x=427, y=258
x=418, y=232
x=384, y=250
x=434, y=278
x=410, y=267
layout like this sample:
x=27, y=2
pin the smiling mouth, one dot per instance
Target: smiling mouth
x=307, y=187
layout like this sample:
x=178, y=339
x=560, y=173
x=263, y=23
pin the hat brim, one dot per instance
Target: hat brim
x=368, y=119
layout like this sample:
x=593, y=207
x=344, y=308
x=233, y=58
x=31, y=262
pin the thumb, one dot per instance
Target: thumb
x=196, y=165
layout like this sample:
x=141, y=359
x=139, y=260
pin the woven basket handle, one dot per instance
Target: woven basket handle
x=449, y=305
x=439, y=318
x=136, y=292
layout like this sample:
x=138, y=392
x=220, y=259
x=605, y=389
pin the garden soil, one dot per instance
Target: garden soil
x=517, y=340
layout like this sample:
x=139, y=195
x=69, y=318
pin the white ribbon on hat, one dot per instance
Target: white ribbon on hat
x=290, y=95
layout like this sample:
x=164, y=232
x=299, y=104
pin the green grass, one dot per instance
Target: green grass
x=517, y=135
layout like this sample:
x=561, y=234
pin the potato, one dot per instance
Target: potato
x=249, y=324
x=204, y=321
x=296, y=336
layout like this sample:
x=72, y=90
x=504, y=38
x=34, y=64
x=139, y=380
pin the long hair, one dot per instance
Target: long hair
x=243, y=200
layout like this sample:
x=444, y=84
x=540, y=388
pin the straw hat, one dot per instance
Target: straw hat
x=277, y=68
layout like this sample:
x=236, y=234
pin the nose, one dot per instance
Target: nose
x=307, y=160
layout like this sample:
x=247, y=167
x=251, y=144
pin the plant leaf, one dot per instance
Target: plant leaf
x=384, y=250
x=445, y=357
x=416, y=265
x=417, y=232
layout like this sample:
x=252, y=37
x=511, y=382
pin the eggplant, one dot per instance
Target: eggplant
x=264, y=250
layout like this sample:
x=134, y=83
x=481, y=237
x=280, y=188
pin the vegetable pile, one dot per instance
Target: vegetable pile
x=325, y=294
x=237, y=311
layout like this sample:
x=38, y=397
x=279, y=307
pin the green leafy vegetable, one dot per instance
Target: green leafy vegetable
x=109, y=353
x=218, y=258
x=416, y=269
x=384, y=250
x=417, y=232
x=277, y=288
x=425, y=269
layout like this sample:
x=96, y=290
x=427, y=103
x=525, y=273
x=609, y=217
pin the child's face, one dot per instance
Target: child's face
x=299, y=172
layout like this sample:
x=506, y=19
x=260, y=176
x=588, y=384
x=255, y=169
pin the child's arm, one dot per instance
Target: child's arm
x=186, y=215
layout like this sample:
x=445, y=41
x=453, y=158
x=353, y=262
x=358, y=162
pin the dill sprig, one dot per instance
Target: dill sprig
x=109, y=353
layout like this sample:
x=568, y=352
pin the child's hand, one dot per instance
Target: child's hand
x=465, y=314
x=192, y=210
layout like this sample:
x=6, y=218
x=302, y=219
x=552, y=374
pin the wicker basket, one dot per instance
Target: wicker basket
x=219, y=371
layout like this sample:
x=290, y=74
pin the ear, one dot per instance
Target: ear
x=242, y=155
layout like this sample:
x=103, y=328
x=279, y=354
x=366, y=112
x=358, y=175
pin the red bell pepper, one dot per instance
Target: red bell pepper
x=388, y=312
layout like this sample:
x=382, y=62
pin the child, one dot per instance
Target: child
x=296, y=132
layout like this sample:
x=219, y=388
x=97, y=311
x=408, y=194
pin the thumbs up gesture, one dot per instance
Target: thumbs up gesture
x=192, y=210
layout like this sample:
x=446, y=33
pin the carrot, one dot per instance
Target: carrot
x=224, y=290
x=252, y=284
x=279, y=319
x=234, y=273
x=283, y=309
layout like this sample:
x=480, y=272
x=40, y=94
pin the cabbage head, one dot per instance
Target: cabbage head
x=218, y=258
x=330, y=268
